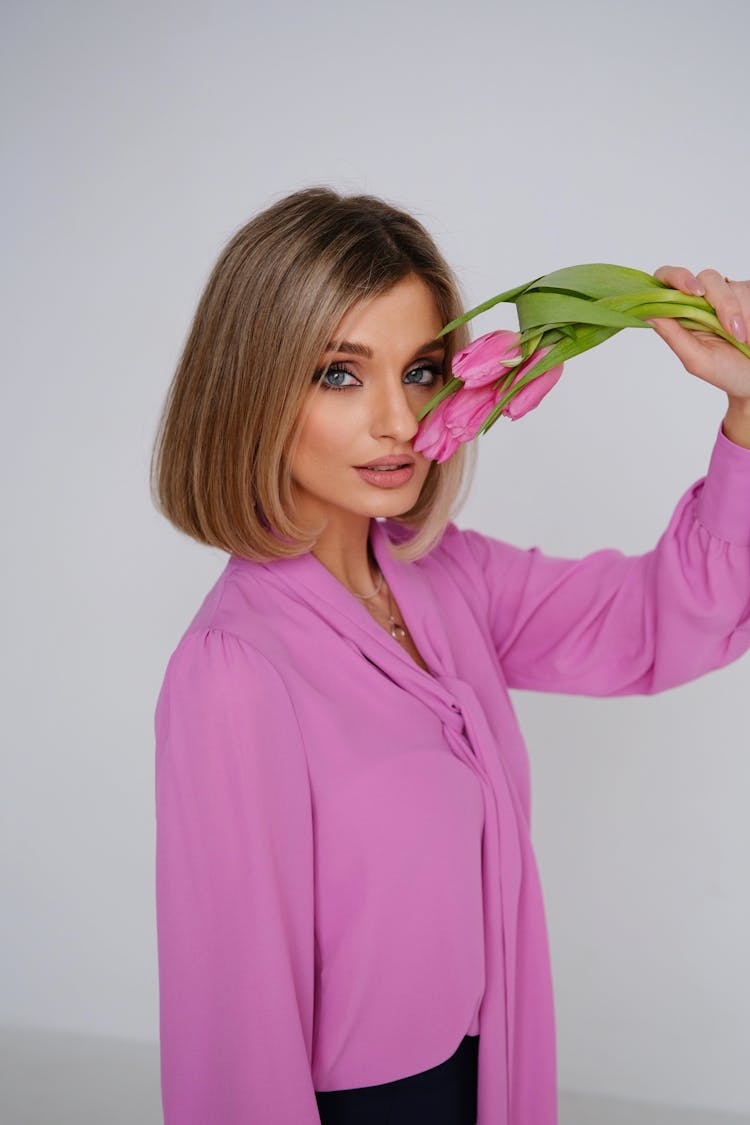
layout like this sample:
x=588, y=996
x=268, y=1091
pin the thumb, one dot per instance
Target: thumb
x=681, y=340
x=665, y=327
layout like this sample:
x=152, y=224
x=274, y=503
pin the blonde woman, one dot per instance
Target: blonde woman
x=350, y=922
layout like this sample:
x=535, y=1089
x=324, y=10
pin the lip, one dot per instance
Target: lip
x=391, y=459
x=388, y=478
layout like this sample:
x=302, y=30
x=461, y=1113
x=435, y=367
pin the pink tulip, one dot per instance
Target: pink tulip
x=532, y=394
x=433, y=439
x=480, y=362
x=459, y=418
x=467, y=409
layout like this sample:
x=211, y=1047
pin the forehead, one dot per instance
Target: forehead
x=407, y=312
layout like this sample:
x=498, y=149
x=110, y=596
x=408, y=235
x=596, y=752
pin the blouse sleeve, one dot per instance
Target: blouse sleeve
x=610, y=624
x=234, y=890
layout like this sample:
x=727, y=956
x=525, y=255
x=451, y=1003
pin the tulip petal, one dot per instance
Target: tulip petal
x=532, y=394
x=468, y=410
x=449, y=389
x=481, y=362
x=587, y=336
x=434, y=440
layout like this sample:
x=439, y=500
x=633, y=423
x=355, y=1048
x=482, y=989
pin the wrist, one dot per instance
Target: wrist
x=736, y=423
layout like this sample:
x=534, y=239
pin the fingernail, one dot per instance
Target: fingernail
x=695, y=287
x=737, y=328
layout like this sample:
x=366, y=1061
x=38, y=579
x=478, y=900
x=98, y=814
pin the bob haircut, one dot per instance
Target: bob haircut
x=220, y=467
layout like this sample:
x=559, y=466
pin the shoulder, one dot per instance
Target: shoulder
x=214, y=671
x=227, y=737
x=217, y=654
x=244, y=625
x=224, y=717
x=461, y=550
x=467, y=563
x=450, y=573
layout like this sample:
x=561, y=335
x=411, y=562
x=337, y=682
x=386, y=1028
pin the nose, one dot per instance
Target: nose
x=394, y=415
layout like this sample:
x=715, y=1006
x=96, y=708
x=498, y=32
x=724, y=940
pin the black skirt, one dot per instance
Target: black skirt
x=443, y=1095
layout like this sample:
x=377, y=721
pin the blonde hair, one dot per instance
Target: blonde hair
x=220, y=468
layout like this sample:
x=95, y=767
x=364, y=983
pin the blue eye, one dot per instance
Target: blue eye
x=333, y=378
x=434, y=370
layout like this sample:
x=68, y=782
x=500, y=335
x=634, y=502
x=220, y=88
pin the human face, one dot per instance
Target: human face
x=366, y=408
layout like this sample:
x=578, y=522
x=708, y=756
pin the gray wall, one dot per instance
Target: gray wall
x=138, y=137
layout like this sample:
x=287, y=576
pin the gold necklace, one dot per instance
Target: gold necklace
x=398, y=631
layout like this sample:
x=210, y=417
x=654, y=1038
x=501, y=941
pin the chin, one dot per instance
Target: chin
x=394, y=505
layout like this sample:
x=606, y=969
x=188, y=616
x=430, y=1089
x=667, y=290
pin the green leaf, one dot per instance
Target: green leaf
x=536, y=309
x=530, y=342
x=546, y=337
x=534, y=330
x=593, y=280
x=597, y=279
x=509, y=295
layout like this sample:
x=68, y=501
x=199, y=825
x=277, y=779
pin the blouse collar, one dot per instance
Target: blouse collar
x=307, y=579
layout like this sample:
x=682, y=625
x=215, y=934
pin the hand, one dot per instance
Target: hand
x=702, y=353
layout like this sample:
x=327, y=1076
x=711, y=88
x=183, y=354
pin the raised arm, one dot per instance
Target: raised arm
x=234, y=888
x=611, y=624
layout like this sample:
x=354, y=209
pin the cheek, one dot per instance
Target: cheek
x=323, y=440
x=327, y=434
x=423, y=468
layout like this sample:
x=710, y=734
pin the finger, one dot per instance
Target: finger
x=723, y=296
x=699, y=352
x=682, y=341
x=742, y=293
x=679, y=277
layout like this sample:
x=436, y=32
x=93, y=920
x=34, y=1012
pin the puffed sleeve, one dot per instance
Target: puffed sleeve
x=610, y=624
x=234, y=890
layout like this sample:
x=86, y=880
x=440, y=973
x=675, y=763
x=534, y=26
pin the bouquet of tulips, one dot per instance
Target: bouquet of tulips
x=560, y=315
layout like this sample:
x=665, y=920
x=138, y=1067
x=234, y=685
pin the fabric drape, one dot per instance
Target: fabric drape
x=345, y=879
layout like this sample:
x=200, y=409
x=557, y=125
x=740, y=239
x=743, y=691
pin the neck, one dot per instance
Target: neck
x=347, y=554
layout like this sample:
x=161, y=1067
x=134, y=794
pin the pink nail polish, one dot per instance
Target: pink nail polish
x=737, y=328
x=695, y=287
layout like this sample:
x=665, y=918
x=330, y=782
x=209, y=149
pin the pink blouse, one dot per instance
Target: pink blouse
x=345, y=879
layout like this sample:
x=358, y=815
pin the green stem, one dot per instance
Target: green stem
x=626, y=302
x=694, y=326
x=706, y=319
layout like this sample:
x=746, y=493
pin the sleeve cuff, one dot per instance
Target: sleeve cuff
x=724, y=502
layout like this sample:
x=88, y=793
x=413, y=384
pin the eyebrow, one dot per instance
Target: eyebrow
x=353, y=348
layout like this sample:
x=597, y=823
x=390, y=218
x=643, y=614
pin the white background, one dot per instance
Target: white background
x=137, y=138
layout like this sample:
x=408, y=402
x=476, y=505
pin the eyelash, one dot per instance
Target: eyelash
x=435, y=368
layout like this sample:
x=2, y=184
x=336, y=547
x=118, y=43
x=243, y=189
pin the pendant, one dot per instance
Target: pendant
x=397, y=631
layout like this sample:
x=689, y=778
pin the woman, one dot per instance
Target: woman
x=350, y=922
